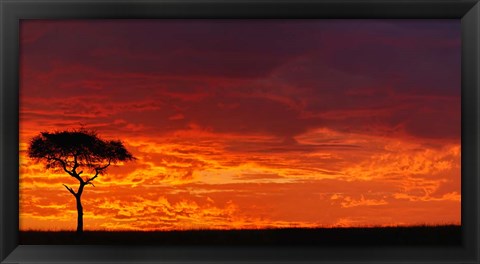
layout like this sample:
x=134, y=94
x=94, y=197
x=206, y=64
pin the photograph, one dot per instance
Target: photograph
x=235, y=132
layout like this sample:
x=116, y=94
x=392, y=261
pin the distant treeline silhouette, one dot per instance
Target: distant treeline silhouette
x=448, y=235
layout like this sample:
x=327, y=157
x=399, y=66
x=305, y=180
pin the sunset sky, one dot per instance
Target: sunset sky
x=247, y=123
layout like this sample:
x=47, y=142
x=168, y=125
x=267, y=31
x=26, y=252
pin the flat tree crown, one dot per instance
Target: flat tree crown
x=75, y=149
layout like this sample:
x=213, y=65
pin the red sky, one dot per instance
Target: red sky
x=247, y=123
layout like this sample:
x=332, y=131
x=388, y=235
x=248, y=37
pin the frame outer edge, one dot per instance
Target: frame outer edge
x=470, y=186
x=9, y=134
x=475, y=67
x=2, y=141
x=9, y=137
x=256, y=9
x=2, y=236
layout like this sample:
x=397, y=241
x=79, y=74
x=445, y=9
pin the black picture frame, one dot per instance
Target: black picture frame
x=12, y=11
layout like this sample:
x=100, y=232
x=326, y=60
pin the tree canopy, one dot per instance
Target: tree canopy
x=77, y=149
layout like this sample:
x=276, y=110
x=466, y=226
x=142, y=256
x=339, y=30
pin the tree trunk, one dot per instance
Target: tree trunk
x=79, y=215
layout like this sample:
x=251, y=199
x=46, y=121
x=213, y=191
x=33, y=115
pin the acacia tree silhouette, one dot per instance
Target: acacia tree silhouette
x=75, y=150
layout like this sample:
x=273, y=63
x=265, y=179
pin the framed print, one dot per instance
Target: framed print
x=239, y=132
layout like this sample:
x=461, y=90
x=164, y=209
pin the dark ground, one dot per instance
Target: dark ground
x=449, y=235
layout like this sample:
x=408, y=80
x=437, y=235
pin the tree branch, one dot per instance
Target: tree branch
x=64, y=165
x=89, y=180
x=75, y=163
x=102, y=168
x=97, y=171
x=70, y=190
